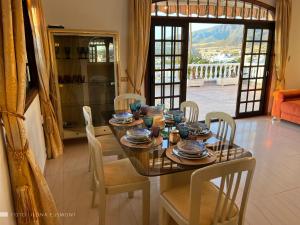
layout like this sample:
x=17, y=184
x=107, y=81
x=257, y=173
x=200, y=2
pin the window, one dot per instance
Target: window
x=31, y=69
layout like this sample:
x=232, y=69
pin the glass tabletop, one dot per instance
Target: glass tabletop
x=154, y=161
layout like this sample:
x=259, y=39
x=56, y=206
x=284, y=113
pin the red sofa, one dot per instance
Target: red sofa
x=286, y=105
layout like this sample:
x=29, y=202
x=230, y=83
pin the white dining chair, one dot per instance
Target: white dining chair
x=122, y=101
x=191, y=110
x=226, y=125
x=110, y=144
x=115, y=177
x=201, y=202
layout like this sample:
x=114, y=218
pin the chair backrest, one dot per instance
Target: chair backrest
x=122, y=102
x=231, y=174
x=97, y=160
x=193, y=109
x=225, y=122
x=87, y=114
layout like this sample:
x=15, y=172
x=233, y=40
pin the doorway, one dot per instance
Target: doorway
x=214, y=63
x=221, y=67
x=176, y=73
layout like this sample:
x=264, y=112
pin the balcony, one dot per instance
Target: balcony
x=213, y=87
x=222, y=74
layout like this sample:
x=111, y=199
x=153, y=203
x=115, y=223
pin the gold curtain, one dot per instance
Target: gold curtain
x=53, y=140
x=282, y=31
x=30, y=191
x=139, y=36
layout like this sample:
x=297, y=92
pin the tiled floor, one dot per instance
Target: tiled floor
x=212, y=97
x=274, y=199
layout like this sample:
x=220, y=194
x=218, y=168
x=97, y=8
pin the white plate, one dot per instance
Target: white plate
x=190, y=147
x=176, y=152
x=138, y=133
x=124, y=115
x=121, y=121
x=134, y=141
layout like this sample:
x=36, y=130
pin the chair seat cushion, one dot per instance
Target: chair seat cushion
x=121, y=172
x=110, y=145
x=178, y=197
x=291, y=107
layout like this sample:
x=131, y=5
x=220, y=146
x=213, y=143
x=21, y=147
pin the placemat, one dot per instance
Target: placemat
x=191, y=162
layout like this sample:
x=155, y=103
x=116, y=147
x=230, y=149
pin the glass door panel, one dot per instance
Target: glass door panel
x=168, y=69
x=255, y=70
x=85, y=67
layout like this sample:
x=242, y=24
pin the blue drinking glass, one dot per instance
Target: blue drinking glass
x=138, y=105
x=148, y=121
x=133, y=107
x=184, y=132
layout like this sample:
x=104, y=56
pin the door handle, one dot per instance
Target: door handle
x=112, y=83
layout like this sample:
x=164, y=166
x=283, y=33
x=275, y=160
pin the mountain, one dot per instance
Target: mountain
x=219, y=35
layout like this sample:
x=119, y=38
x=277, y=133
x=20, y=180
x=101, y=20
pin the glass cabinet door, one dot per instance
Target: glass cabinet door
x=86, y=73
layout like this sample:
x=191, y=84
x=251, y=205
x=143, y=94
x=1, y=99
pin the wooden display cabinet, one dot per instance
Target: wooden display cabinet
x=85, y=65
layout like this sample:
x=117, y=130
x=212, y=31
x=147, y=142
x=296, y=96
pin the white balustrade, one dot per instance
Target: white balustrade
x=213, y=71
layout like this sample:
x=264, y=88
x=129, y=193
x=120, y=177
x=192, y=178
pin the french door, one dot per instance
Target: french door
x=255, y=66
x=168, y=67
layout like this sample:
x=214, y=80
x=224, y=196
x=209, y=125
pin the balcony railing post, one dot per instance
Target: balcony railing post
x=201, y=72
x=215, y=71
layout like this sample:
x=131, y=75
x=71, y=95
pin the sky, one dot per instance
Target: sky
x=201, y=26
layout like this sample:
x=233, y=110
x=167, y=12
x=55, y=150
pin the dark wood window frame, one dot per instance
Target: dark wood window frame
x=186, y=20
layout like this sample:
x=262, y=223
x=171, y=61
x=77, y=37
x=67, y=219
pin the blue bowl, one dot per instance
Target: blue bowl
x=184, y=132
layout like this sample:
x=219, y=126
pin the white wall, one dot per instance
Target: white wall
x=293, y=68
x=35, y=133
x=108, y=15
x=6, y=204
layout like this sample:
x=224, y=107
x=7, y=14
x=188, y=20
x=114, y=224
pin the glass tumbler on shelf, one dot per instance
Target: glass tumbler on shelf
x=148, y=121
x=67, y=52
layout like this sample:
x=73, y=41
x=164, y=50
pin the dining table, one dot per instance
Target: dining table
x=154, y=161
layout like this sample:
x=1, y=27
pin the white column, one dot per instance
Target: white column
x=221, y=71
x=201, y=71
x=225, y=71
x=206, y=71
x=216, y=70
